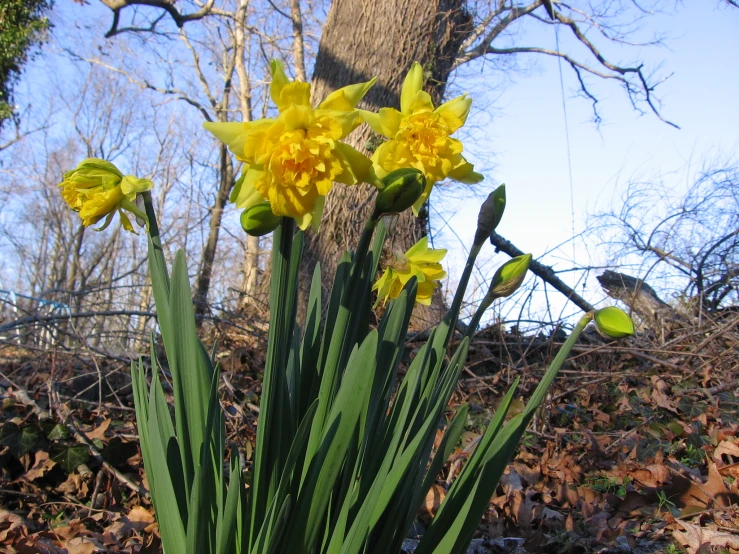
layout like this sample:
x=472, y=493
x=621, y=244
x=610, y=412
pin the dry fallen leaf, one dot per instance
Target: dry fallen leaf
x=727, y=448
x=9, y=522
x=41, y=465
x=431, y=504
x=695, y=536
x=99, y=431
x=80, y=545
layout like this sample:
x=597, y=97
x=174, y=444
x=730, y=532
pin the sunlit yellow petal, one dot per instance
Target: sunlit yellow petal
x=421, y=246
x=356, y=166
x=279, y=80
x=232, y=134
x=427, y=256
x=244, y=194
x=390, y=119
x=134, y=185
x=100, y=205
x=412, y=84
x=455, y=112
x=294, y=93
x=465, y=174
x=312, y=219
x=420, y=102
x=372, y=119
x=347, y=98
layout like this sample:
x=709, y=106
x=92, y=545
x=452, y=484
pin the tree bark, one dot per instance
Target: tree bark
x=209, y=252
x=380, y=39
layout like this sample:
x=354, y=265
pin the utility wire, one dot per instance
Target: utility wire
x=567, y=141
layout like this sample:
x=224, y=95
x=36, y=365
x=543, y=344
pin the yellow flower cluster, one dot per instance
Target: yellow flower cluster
x=420, y=136
x=96, y=189
x=293, y=160
x=420, y=262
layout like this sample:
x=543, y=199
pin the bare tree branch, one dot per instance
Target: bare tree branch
x=638, y=85
x=542, y=271
x=169, y=7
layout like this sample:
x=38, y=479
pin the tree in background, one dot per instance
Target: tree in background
x=359, y=40
x=685, y=244
x=23, y=24
x=211, y=59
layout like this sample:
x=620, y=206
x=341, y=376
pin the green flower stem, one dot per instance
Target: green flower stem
x=541, y=390
x=345, y=328
x=151, y=215
x=378, y=243
x=344, y=319
x=453, y=314
x=481, y=309
x=269, y=456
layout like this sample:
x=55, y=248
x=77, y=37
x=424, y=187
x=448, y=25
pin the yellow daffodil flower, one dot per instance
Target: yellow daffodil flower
x=420, y=262
x=420, y=136
x=97, y=189
x=293, y=160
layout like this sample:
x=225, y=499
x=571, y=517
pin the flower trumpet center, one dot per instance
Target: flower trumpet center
x=423, y=142
x=304, y=163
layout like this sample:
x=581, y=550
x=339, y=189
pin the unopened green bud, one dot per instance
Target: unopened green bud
x=614, y=323
x=259, y=220
x=491, y=212
x=509, y=277
x=400, y=190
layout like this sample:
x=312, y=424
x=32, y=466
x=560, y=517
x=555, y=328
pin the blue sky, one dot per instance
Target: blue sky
x=526, y=136
x=518, y=134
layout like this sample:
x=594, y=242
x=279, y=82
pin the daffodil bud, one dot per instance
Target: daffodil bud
x=613, y=323
x=491, y=212
x=400, y=190
x=96, y=189
x=259, y=220
x=509, y=277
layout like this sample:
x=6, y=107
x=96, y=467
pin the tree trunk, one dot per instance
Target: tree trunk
x=209, y=252
x=380, y=39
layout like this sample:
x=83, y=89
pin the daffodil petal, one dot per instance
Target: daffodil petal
x=455, y=112
x=390, y=119
x=244, y=194
x=412, y=84
x=296, y=93
x=419, y=203
x=348, y=120
x=232, y=134
x=427, y=256
x=421, y=101
x=357, y=167
x=279, y=80
x=126, y=221
x=347, y=98
x=420, y=246
x=317, y=213
x=131, y=185
x=373, y=120
x=464, y=174
x=297, y=117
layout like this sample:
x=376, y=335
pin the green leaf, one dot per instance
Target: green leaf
x=165, y=473
x=58, y=432
x=194, y=372
x=20, y=440
x=614, y=322
x=69, y=456
x=324, y=464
